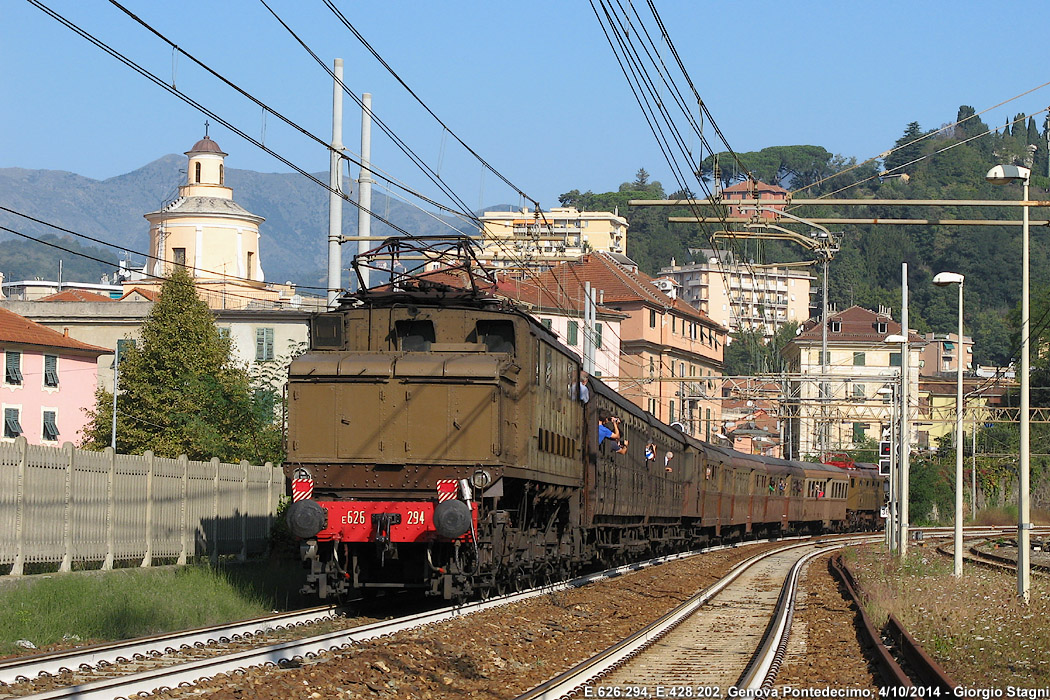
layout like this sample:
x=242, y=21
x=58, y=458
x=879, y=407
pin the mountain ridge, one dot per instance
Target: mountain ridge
x=294, y=243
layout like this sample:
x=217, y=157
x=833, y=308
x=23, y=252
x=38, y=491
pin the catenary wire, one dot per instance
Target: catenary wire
x=429, y=172
x=346, y=23
x=204, y=110
x=378, y=172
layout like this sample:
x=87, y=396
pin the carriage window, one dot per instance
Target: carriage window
x=498, y=336
x=414, y=336
x=326, y=331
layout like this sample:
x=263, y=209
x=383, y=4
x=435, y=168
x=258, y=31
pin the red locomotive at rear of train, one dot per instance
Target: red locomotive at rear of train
x=449, y=451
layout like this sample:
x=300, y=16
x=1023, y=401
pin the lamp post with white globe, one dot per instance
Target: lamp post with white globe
x=944, y=279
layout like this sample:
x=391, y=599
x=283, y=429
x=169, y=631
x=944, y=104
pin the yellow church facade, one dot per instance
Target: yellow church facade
x=212, y=237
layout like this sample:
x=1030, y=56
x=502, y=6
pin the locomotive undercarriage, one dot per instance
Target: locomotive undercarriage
x=517, y=547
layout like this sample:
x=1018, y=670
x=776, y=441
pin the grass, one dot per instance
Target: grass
x=975, y=626
x=104, y=606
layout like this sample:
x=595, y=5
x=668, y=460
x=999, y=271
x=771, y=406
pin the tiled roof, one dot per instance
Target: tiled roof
x=617, y=284
x=149, y=294
x=856, y=325
x=746, y=186
x=19, y=329
x=75, y=295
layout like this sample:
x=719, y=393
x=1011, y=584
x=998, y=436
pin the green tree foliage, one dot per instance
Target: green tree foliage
x=947, y=164
x=907, y=149
x=931, y=491
x=749, y=353
x=180, y=392
x=785, y=166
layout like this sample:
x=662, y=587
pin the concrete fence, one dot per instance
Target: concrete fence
x=64, y=505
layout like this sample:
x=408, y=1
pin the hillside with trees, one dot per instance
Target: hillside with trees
x=947, y=163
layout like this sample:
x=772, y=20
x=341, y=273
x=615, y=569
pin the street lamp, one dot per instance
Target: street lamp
x=1000, y=175
x=945, y=279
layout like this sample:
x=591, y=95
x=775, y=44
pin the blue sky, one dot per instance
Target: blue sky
x=532, y=87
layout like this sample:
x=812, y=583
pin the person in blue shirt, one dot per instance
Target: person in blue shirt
x=609, y=427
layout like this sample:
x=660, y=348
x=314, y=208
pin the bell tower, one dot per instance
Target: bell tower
x=204, y=231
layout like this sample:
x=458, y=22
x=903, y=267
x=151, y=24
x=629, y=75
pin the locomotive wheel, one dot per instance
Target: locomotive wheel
x=518, y=579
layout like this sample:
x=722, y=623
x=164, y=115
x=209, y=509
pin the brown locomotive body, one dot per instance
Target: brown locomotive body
x=450, y=452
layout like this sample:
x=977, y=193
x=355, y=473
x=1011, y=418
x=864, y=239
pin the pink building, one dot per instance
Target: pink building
x=562, y=313
x=670, y=352
x=48, y=384
x=750, y=189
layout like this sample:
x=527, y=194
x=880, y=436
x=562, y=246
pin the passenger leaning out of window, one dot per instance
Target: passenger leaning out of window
x=609, y=428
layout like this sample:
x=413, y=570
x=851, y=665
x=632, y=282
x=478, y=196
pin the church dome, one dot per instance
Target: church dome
x=206, y=145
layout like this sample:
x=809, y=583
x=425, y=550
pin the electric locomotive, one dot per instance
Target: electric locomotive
x=451, y=451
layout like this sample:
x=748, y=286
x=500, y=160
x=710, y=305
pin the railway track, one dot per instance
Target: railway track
x=147, y=665
x=732, y=634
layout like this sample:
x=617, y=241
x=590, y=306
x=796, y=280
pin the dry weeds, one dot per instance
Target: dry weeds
x=975, y=626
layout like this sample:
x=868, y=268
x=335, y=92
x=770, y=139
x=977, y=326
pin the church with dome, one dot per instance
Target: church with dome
x=212, y=237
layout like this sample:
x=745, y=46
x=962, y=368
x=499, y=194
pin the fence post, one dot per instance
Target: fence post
x=271, y=502
x=184, y=512
x=67, y=517
x=20, y=510
x=147, y=557
x=244, y=512
x=111, y=507
x=214, y=543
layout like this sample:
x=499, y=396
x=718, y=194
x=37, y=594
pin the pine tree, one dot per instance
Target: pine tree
x=906, y=150
x=181, y=393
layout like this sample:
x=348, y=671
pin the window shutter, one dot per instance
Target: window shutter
x=50, y=432
x=50, y=370
x=13, y=367
x=12, y=428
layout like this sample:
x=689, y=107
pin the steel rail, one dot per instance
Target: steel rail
x=764, y=666
x=570, y=683
x=192, y=671
x=27, y=667
x=925, y=672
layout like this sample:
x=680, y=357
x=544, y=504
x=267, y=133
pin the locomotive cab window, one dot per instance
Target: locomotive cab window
x=414, y=336
x=326, y=331
x=498, y=336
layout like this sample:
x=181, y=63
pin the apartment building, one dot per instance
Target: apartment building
x=48, y=384
x=850, y=396
x=942, y=351
x=513, y=239
x=743, y=296
x=671, y=352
